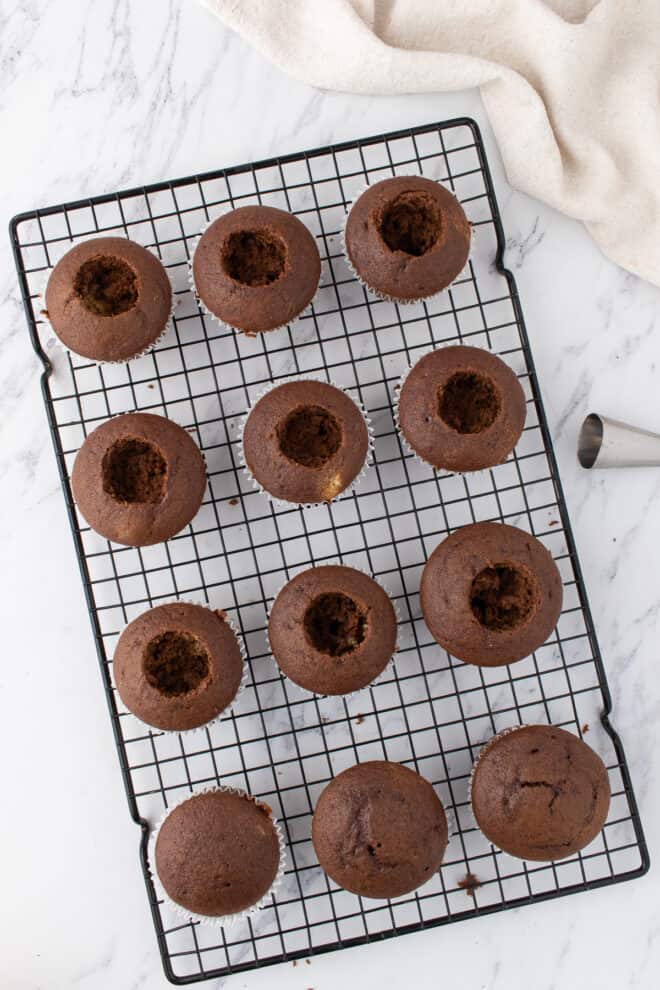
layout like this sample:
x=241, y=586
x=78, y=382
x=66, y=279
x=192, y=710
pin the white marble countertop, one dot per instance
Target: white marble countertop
x=96, y=96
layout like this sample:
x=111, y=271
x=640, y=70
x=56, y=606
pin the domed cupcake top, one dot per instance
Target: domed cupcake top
x=539, y=792
x=217, y=854
x=379, y=829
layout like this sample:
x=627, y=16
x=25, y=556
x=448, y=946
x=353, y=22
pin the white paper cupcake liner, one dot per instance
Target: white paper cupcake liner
x=227, y=710
x=205, y=919
x=388, y=666
x=368, y=460
x=223, y=324
x=377, y=292
x=54, y=343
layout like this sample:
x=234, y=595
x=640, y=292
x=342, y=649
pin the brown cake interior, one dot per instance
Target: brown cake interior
x=176, y=662
x=254, y=257
x=411, y=223
x=309, y=435
x=106, y=286
x=134, y=470
x=335, y=624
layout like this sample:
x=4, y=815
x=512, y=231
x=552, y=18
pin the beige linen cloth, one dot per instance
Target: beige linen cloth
x=572, y=88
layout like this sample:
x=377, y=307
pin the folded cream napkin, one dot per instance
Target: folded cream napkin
x=572, y=88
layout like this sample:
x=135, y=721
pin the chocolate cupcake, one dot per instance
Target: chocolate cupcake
x=490, y=594
x=178, y=666
x=256, y=268
x=218, y=854
x=305, y=442
x=379, y=830
x=539, y=793
x=407, y=238
x=138, y=479
x=332, y=629
x=108, y=299
x=461, y=409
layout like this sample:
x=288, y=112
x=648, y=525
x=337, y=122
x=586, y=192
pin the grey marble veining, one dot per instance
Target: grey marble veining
x=97, y=96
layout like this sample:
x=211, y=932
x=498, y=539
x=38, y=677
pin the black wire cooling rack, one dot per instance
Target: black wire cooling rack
x=430, y=711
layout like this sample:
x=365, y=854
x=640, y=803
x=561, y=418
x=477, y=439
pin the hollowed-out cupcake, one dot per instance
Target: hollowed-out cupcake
x=332, y=629
x=305, y=442
x=108, y=299
x=178, y=666
x=461, y=408
x=379, y=830
x=539, y=792
x=138, y=479
x=490, y=594
x=256, y=268
x=407, y=238
x=219, y=855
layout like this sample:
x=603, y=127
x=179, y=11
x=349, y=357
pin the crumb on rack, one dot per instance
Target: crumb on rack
x=585, y=728
x=360, y=719
x=469, y=884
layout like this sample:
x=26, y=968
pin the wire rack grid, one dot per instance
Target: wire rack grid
x=429, y=711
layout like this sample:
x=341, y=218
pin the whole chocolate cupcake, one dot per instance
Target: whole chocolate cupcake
x=379, y=830
x=178, y=666
x=332, y=629
x=138, y=479
x=256, y=268
x=407, y=238
x=491, y=594
x=461, y=409
x=108, y=299
x=218, y=853
x=539, y=792
x=305, y=442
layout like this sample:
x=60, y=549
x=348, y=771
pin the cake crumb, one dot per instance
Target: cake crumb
x=233, y=501
x=325, y=719
x=360, y=719
x=553, y=522
x=150, y=385
x=585, y=728
x=308, y=962
x=44, y=312
x=469, y=884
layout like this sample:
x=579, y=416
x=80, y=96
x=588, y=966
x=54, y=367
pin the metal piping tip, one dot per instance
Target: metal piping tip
x=607, y=443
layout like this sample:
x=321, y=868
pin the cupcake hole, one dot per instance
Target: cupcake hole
x=503, y=596
x=310, y=435
x=469, y=402
x=254, y=257
x=176, y=663
x=134, y=471
x=106, y=286
x=411, y=223
x=335, y=624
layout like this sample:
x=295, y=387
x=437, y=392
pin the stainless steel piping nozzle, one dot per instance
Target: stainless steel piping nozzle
x=607, y=443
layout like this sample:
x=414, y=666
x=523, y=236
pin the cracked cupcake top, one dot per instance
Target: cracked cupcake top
x=539, y=792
